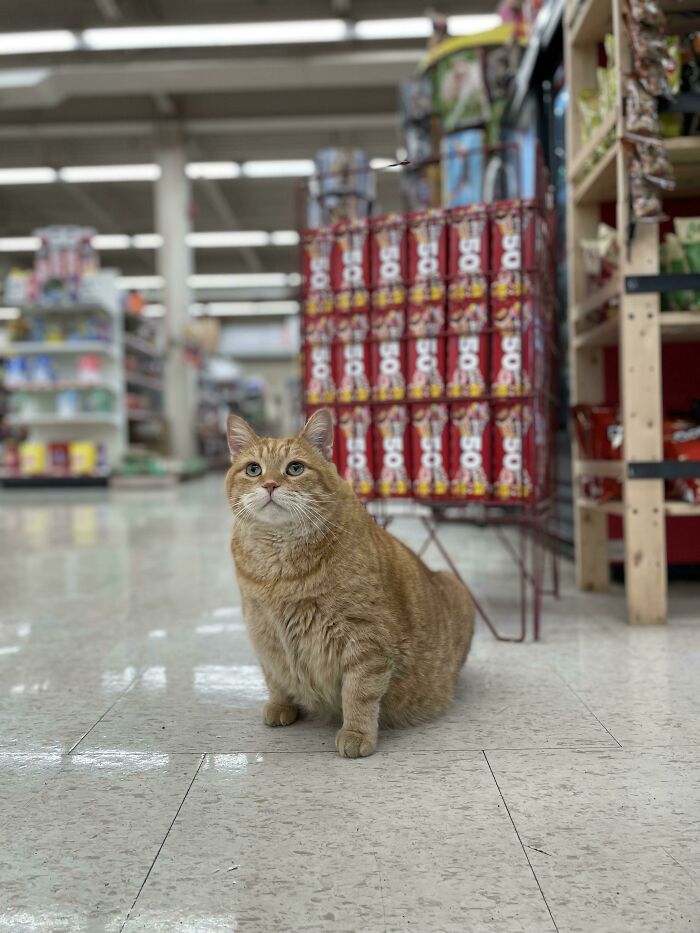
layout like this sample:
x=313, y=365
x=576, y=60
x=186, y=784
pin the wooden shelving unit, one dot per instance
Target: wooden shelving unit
x=638, y=329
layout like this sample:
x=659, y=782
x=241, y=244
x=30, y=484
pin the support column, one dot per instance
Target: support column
x=174, y=264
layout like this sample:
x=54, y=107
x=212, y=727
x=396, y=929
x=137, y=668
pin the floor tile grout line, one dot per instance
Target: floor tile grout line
x=160, y=847
x=583, y=703
x=522, y=845
x=108, y=710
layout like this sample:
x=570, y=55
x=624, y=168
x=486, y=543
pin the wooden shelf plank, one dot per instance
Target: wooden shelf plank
x=589, y=21
x=676, y=327
x=605, y=334
x=600, y=183
x=611, y=507
x=615, y=507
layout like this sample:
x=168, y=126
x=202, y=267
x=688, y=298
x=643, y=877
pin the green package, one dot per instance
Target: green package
x=688, y=232
x=677, y=264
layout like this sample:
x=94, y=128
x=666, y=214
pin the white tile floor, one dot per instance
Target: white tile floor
x=140, y=791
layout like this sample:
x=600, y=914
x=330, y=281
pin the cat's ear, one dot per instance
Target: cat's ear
x=318, y=432
x=239, y=434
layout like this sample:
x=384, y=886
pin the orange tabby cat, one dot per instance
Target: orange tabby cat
x=345, y=619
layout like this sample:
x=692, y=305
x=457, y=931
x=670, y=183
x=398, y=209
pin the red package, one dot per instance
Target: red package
x=316, y=248
x=319, y=329
x=426, y=320
x=350, y=265
x=468, y=240
x=59, y=460
x=513, y=235
x=511, y=364
x=427, y=246
x=467, y=365
x=599, y=431
x=388, y=261
x=319, y=387
x=426, y=367
x=512, y=452
x=351, y=372
x=392, y=450
x=601, y=488
x=470, y=450
x=353, y=457
x=467, y=305
x=682, y=442
x=429, y=450
x=388, y=370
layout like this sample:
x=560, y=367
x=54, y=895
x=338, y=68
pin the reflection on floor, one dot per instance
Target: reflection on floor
x=140, y=790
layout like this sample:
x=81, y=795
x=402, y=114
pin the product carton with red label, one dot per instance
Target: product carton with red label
x=467, y=305
x=682, y=442
x=388, y=263
x=350, y=265
x=468, y=241
x=513, y=453
x=429, y=450
x=425, y=367
x=467, y=365
x=319, y=387
x=512, y=348
x=427, y=246
x=470, y=450
x=426, y=320
x=388, y=355
x=392, y=454
x=354, y=457
x=513, y=236
x=316, y=247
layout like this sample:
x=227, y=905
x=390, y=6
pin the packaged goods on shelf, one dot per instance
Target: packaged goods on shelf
x=462, y=163
x=682, y=442
x=459, y=90
x=57, y=459
x=454, y=297
x=342, y=187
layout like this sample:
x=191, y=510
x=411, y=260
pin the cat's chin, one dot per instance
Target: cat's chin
x=273, y=514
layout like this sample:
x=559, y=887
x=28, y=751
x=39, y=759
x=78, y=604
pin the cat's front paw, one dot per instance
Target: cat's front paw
x=278, y=714
x=353, y=744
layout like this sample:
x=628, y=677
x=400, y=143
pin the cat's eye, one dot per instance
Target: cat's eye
x=295, y=468
x=253, y=469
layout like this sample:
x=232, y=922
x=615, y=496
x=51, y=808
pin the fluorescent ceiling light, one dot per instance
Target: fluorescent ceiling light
x=27, y=176
x=278, y=168
x=213, y=170
x=383, y=164
x=410, y=27
x=97, y=173
x=22, y=43
x=147, y=241
x=111, y=241
x=19, y=244
x=242, y=280
x=9, y=314
x=189, y=36
x=230, y=238
x=137, y=282
x=284, y=238
x=466, y=25
x=244, y=308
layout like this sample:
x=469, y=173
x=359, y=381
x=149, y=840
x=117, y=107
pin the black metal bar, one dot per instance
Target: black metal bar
x=682, y=103
x=663, y=469
x=652, y=284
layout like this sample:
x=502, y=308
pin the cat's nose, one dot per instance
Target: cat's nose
x=270, y=485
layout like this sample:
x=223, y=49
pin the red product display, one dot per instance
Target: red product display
x=427, y=246
x=59, y=460
x=388, y=370
x=350, y=265
x=513, y=236
x=470, y=450
x=468, y=241
x=598, y=431
x=512, y=356
x=392, y=450
x=319, y=386
x=425, y=362
x=354, y=459
x=429, y=451
x=388, y=264
x=512, y=452
x=467, y=365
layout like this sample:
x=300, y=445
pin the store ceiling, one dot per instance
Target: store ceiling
x=233, y=103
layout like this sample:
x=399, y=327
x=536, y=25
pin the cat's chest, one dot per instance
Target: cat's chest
x=310, y=647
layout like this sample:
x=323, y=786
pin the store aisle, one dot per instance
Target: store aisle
x=141, y=791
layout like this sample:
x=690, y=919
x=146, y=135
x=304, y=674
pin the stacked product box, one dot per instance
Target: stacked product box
x=430, y=333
